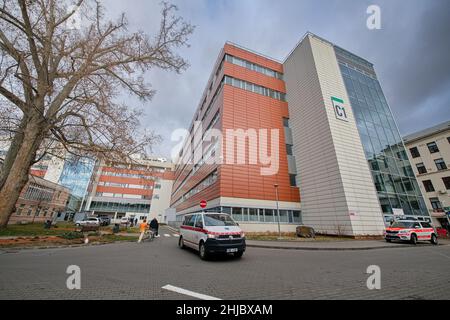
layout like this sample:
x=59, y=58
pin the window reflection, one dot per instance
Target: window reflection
x=392, y=174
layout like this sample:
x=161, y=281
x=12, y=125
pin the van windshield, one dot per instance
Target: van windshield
x=403, y=224
x=212, y=220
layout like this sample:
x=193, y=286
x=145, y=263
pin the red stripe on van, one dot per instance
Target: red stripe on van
x=209, y=232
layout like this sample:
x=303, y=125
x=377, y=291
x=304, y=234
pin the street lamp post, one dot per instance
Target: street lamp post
x=278, y=210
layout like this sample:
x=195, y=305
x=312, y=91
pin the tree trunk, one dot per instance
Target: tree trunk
x=25, y=148
x=12, y=152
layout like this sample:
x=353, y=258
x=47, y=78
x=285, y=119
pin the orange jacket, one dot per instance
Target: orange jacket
x=143, y=226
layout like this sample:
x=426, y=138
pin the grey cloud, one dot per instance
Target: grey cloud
x=410, y=53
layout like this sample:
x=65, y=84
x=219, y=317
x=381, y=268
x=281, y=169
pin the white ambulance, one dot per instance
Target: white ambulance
x=212, y=233
x=412, y=231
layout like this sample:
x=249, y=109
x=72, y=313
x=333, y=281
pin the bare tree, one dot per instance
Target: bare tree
x=63, y=67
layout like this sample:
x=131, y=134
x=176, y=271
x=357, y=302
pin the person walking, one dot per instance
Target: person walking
x=142, y=228
x=154, y=225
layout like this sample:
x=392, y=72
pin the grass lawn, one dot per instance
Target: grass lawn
x=36, y=229
x=34, y=235
x=114, y=237
x=129, y=230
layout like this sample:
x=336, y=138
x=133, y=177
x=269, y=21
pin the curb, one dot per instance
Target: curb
x=337, y=249
x=14, y=249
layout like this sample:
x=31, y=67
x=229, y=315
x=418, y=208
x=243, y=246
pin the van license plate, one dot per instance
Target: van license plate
x=232, y=250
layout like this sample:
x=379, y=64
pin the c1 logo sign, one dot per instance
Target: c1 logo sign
x=339, y=108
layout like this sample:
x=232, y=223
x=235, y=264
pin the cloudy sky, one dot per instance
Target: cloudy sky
x=411, y=52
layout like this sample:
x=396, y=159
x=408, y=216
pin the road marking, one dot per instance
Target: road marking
x=176, y=235
x=189, y=293
x=166, y=235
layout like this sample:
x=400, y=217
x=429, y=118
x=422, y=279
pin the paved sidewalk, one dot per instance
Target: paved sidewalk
x=335, y=245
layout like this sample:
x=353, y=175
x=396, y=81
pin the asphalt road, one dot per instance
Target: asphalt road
x=139, y=271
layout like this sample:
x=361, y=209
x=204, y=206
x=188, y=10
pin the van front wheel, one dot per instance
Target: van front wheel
x=202, y=251
x=181, y=243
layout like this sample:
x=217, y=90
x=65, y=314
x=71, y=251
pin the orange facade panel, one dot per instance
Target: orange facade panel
x=242, y=109
x=253, y=57
x=118, y=190
x=168, y=175
x=258, y=78
x=125, y=180
x=247, y=110
x=210, y=193
x=38, y=173
x=143, y=173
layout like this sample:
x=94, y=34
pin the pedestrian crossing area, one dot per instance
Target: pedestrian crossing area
x=168, y=235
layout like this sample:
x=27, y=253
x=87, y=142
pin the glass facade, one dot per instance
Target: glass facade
x=391, y=170
x=75, y=176
x=119, y=207
x=260, y=214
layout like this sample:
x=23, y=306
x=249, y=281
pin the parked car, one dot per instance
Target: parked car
x=124, y=220
x=105, y=221
x=92, y=221
x=412, y=231
x=212, y=233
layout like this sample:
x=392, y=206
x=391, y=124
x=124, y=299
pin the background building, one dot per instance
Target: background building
x=339, y=143
x=429, y=152
x=139, y=191
x=353, y=166
x=245, y=91
x=40, y=200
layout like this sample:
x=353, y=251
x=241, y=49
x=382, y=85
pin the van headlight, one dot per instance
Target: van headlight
x=212, y=236
x=242, y=234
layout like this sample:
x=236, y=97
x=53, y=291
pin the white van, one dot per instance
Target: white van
x=212, y=233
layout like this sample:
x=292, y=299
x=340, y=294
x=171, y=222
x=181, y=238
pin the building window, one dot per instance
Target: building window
x=293, y=180
x=446, y=181
x=432, y=146
x=428, y=185
x=237, y=214
x=296, y=217
x=286, y=122
x=421, y=168
x=268, y=215
x=284, y=217
x=20, y=209
x=436, y=204
x=254, y=88
x=414, y=152
x=289, y=149
x=440, y=164
x=253, y=214
x=252, y=66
